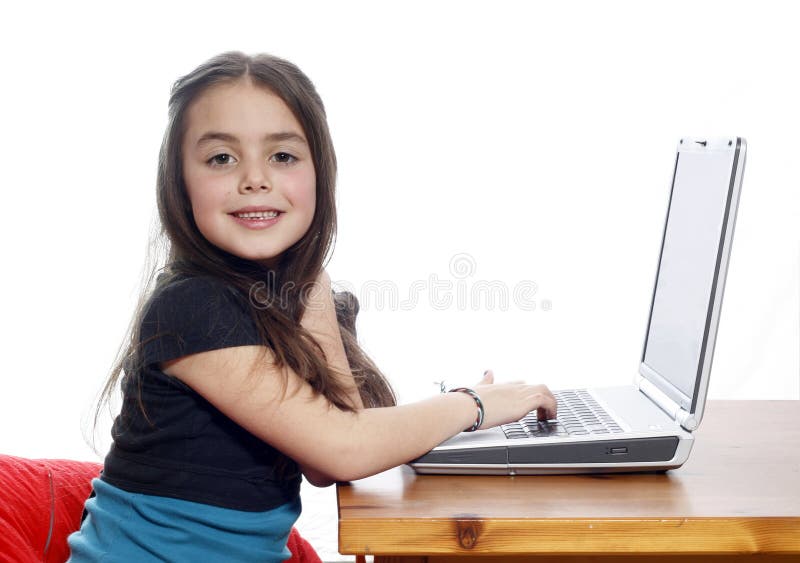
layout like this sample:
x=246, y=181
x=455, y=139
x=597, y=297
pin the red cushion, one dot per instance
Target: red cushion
x=34, y=491
x=37, y=494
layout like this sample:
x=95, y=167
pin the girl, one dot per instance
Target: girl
x=243, y=370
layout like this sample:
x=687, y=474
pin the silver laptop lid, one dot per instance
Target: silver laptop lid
x=692, y=266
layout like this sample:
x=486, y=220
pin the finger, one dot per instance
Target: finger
x=546, y=399
x=548, y=409
x=545, y=405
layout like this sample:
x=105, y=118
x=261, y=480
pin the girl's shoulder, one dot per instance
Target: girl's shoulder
x=182, y=282
x=190, y=314
x=194, y=298
x=191, y=290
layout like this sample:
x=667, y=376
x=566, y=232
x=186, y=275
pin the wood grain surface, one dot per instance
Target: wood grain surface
x=739, y=493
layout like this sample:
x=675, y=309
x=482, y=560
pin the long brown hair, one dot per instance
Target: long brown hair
x=190, y=253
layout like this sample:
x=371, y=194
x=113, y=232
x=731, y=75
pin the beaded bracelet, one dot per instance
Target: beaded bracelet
x=478, y=402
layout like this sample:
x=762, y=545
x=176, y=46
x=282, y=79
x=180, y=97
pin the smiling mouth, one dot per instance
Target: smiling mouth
x=257, y=215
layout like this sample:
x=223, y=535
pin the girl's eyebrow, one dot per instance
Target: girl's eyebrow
x=209, y=136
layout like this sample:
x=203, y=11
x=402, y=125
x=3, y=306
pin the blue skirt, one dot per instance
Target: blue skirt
x=122, y=527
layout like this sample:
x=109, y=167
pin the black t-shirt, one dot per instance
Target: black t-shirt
x=191, y=450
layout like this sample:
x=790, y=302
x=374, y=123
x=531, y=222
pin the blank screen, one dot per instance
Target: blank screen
x=686, y=272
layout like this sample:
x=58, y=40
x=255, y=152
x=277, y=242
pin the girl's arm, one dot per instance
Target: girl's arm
x=341, y=445
x=320, y=320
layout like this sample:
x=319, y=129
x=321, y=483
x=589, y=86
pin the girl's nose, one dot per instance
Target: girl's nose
x=255, y=180
x=254, y=187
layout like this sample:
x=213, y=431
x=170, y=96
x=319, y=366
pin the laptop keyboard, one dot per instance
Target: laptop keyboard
x=578, y=415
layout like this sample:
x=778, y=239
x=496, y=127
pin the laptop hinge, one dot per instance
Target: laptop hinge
x=673, y=409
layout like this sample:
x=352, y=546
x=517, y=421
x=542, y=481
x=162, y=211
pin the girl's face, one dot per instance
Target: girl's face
x=244, y=153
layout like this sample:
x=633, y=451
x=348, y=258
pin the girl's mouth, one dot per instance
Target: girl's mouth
x=257, y=215
x=257, y=219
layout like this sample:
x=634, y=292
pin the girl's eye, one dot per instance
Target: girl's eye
x=223, y=159
x=283, y=158
x=215, y=160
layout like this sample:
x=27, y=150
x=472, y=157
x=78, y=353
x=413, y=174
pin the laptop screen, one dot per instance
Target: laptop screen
x=689, y=265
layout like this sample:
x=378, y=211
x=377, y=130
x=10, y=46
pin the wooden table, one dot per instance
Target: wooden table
x=736, y=498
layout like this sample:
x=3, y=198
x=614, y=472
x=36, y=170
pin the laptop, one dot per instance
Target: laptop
x=648, y=425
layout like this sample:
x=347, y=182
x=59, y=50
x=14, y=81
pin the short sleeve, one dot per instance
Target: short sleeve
x=192, y=315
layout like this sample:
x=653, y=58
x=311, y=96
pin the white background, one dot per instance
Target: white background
x=522, y=144
x=528, y=142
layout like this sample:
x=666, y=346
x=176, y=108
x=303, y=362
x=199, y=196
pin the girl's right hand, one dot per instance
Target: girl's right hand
x=509, y=402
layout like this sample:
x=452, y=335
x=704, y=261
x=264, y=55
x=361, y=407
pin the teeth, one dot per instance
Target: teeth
x=258, y=215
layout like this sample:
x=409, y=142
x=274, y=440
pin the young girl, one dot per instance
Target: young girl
x=243, y=370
